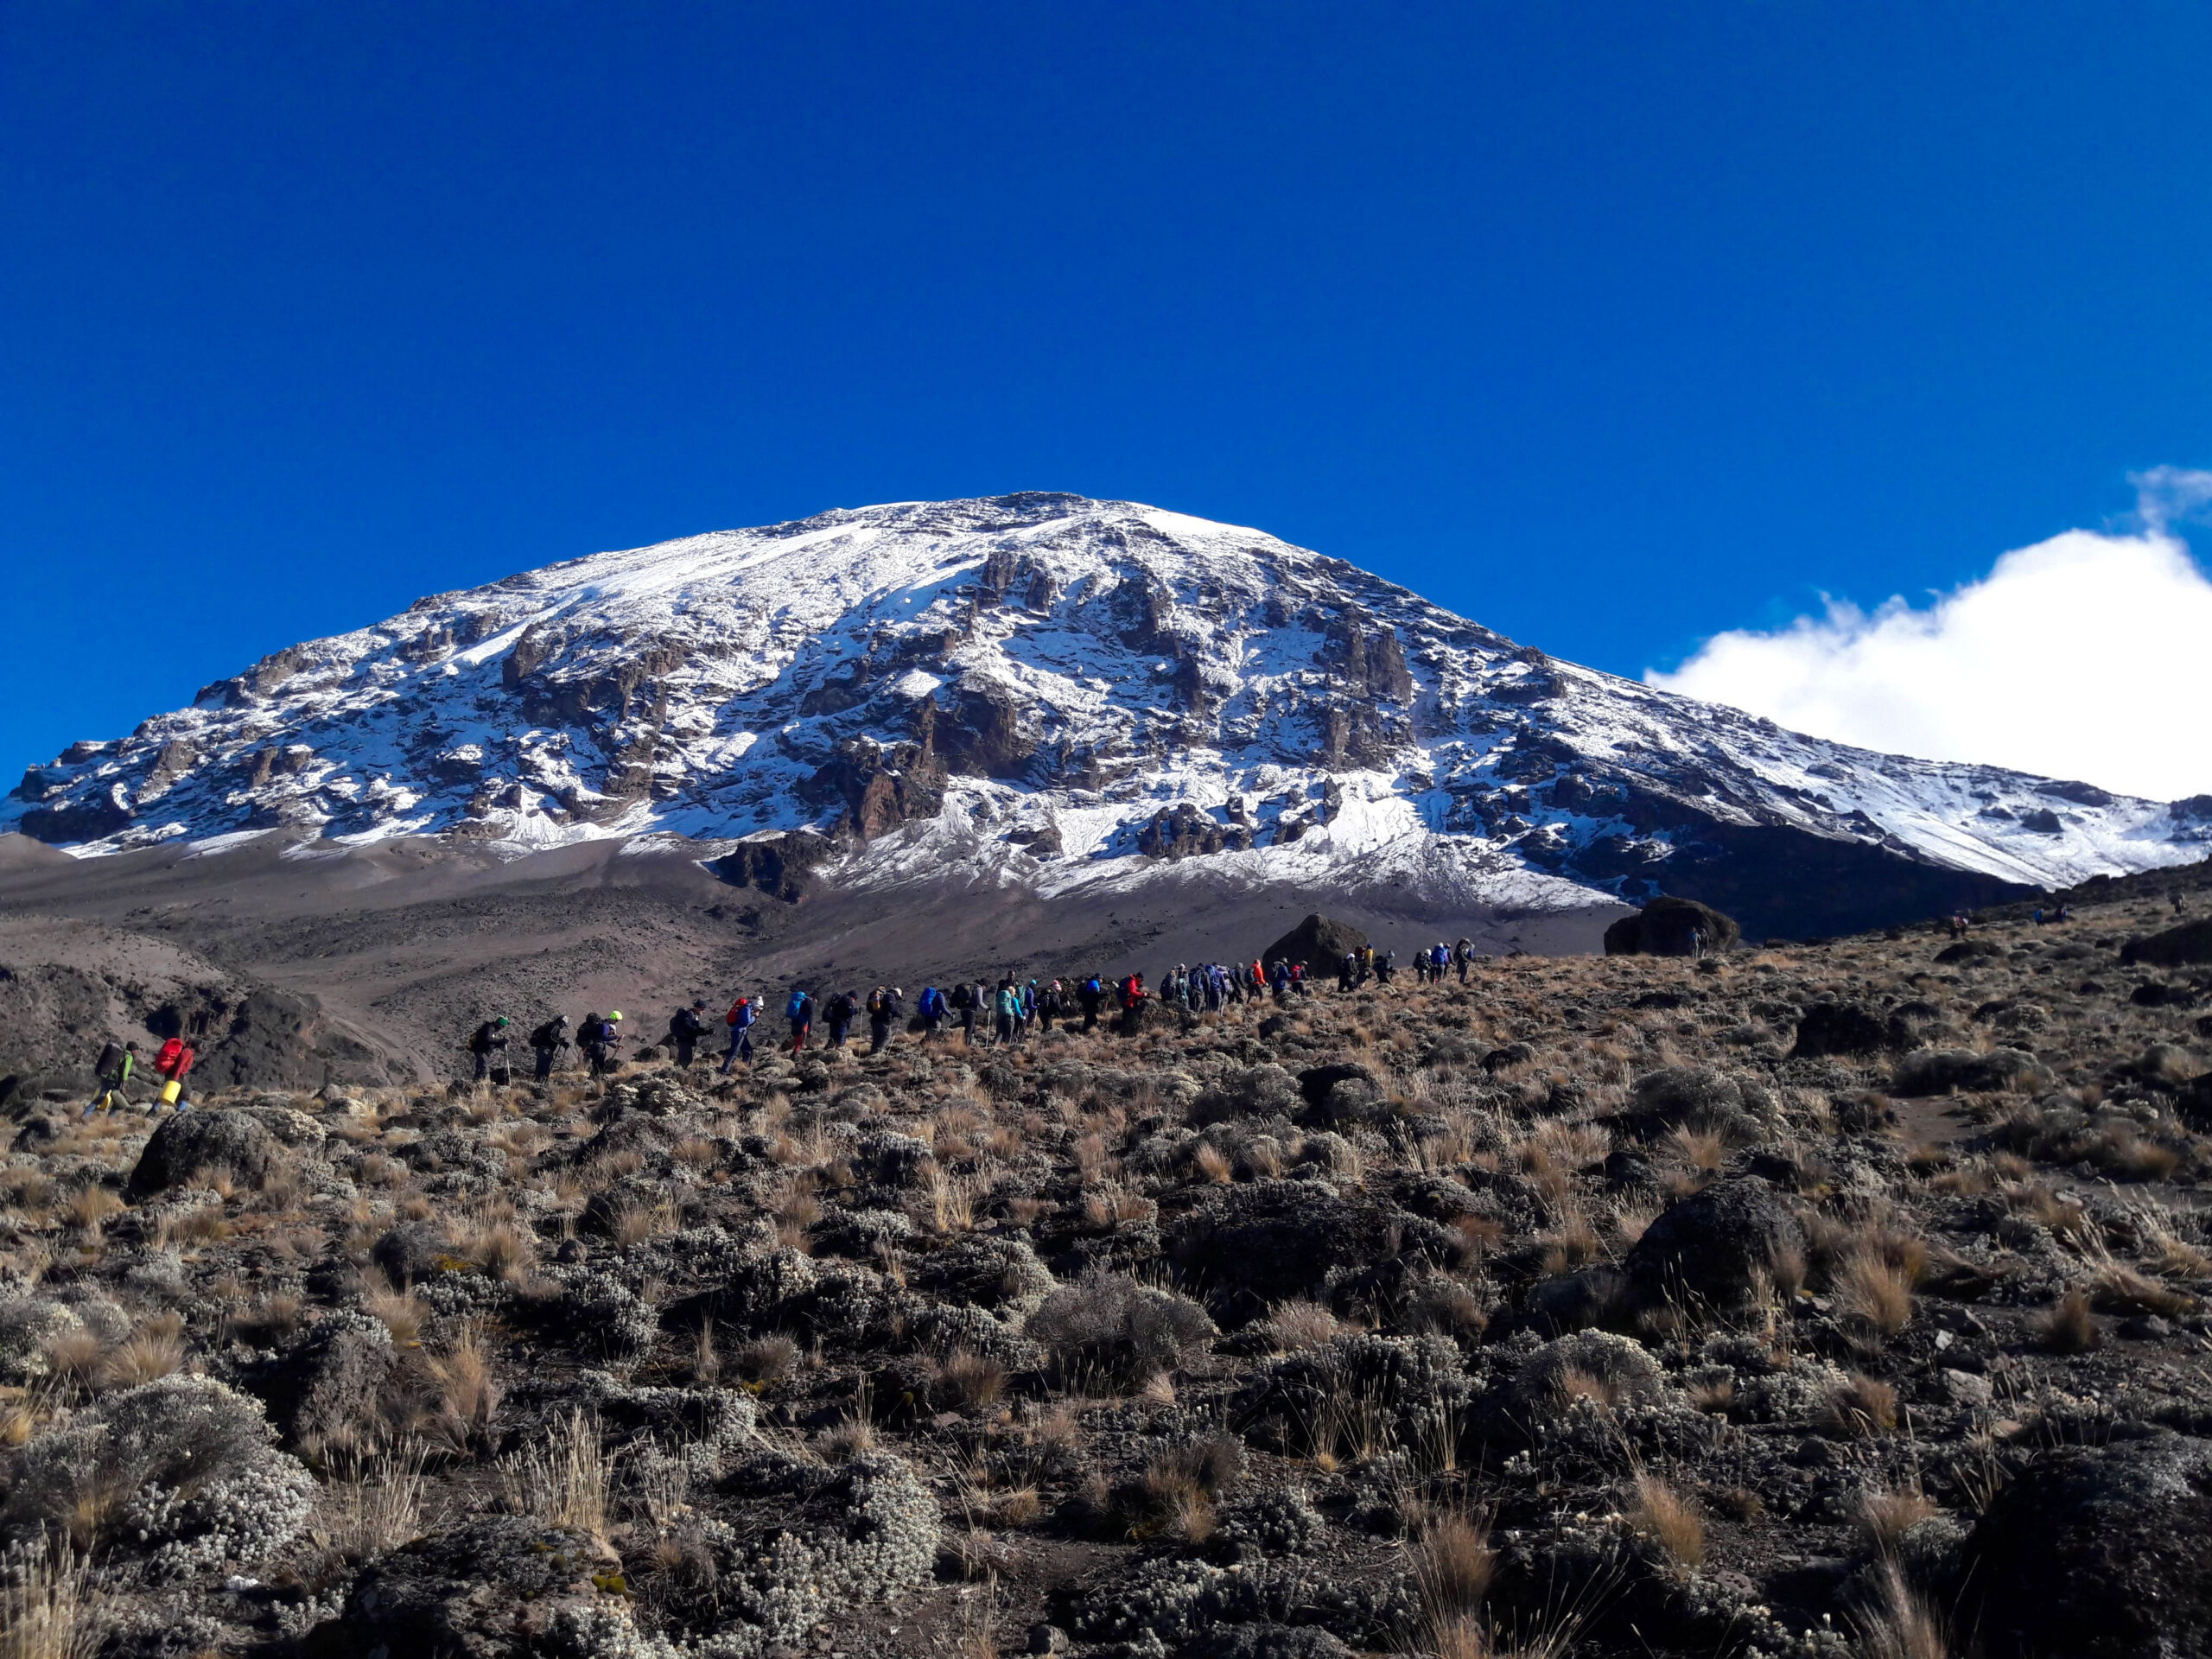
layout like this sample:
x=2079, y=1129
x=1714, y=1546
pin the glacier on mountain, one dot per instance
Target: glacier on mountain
x=1048, y=691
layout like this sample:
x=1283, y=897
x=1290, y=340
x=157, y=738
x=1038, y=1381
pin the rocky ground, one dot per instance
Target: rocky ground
x=1838, y=1298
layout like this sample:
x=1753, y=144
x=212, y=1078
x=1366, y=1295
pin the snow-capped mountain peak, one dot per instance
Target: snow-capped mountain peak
x=1057, y=692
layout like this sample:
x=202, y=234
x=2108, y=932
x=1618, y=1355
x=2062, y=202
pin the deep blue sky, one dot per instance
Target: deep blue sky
x=1610, y=324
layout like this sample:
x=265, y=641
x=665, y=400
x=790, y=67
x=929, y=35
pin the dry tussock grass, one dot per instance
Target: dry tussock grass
x=565, y=1480
x=1669, y=1520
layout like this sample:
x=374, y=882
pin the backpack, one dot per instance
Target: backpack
x=545, y=1037
x=1093, y=988
x=741, y=1014
x=111, y=1060
x=796, y=1009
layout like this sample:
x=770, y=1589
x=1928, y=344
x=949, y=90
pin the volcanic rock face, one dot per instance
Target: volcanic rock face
x=1061, y=693
x=1671, y=927
x=1317, y=942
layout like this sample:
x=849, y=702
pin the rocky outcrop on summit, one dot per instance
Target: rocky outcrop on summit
x=1066, y=693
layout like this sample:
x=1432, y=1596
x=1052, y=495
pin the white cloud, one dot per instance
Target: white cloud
x=2088, y=655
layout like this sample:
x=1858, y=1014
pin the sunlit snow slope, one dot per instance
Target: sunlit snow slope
x=1059, y=692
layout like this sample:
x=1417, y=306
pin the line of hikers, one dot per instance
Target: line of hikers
x=1009, y=1012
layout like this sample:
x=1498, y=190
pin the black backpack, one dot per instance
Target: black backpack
x=546, y=1036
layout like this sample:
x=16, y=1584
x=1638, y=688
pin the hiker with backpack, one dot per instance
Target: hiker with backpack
x=739, y=1020
x=1464, y=953
x=546, y=1043
x=1007, y=1006
x=685, y=1028
x=1091, y=996
x=489, y=1043
x=800, y=1012
x=599, y=1038
x=112, y=1072
x=1132, y=995
x=933, y=1009
x=884, y=1008
x=173, y=1063
x=842, y=1006
x=963, y=1004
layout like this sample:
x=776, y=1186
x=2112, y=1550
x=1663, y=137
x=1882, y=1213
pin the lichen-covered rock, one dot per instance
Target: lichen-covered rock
x=1717, y=1250
x=1833, y=1027
x=238, y=1141
x=1257, y=1092
x=413, y=1251
x=1272, y=1240
x=323, y=1390
x=489, y=1588
x=1939, y=1070
x=1698, y=1097
x=2104, y=1552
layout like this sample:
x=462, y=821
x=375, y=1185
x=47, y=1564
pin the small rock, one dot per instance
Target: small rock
x=1966, y=1388
x=1047, y=1638
x=2146, y=1327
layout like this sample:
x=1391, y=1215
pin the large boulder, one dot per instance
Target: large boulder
x=236, y=1140
x=1698, y=1097
x=1716, y=1250
x=2190, y=943
x=2105, y=1552
x=1345, y=1093
x=1940, y=1070
x=495, y=1586
x=1842, y=1028
x=1969, y=950
x=1318, y=942
x=1272, y=1240
x=1665, y=927
x=324, y=1391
